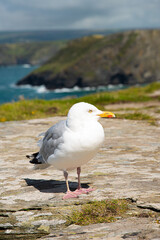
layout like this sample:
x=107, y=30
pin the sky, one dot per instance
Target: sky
x=78, y=14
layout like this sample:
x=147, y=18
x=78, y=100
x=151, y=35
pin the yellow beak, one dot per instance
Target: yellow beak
x=106, y=114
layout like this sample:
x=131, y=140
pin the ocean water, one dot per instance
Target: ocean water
x=9, y=92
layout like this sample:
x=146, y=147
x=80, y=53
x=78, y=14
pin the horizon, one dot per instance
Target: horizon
x=82, y=29
x=24, y=36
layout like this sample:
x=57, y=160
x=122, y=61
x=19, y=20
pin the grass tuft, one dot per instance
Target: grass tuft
x=98, y=212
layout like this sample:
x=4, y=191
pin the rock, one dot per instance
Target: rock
x=4, y=226
x=133, y=228
x=48, y=222
x=151, y=206
x=127, y=166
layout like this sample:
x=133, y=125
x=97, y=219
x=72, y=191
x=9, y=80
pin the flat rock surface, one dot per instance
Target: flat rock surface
x=127, y=166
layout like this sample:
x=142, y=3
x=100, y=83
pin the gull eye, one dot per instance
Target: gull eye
x=90, y=110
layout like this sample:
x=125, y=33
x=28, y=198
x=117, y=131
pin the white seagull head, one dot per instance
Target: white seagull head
x=82, y=112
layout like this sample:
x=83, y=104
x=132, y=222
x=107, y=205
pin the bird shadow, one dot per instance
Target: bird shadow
x=52, y=186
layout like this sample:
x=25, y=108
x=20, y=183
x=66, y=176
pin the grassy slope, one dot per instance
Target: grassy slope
x=30, y=109
x=68, y=56
x=88, y=50
x=33, y=53
x=93, y=57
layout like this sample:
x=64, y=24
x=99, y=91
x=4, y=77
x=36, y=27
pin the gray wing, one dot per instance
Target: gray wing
x=51, y=140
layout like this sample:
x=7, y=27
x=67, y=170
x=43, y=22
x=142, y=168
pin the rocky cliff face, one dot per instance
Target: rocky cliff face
x=125, y=58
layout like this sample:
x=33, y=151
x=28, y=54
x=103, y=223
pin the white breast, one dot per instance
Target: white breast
x=78, y=147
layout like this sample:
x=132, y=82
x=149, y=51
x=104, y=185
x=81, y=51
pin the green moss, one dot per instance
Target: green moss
x=98, y=212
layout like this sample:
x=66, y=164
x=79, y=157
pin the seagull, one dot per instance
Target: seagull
x=70, y=143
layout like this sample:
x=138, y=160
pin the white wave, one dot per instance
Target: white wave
x=42, y=89
x=120, y=85
x=63, y=90
x=27, y=86
x=78, y=89
x=74, y=89
x=26, y=65
x=38, y=89
x=88, y=88
x=102, y=88
x=110, y=86
x=13, y=85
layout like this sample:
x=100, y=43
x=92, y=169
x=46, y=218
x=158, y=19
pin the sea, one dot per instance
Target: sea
x=9, y=92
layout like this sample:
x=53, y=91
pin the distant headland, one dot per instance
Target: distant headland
x=131, y=57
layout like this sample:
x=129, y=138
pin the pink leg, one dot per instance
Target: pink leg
x=68, y=194
x=81, y=190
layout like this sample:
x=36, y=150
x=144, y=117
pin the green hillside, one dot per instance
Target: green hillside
x=127, y=58
x=33, y=53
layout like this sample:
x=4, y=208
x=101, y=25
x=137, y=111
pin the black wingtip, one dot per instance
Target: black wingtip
x=35, y=161
x=33, y=158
